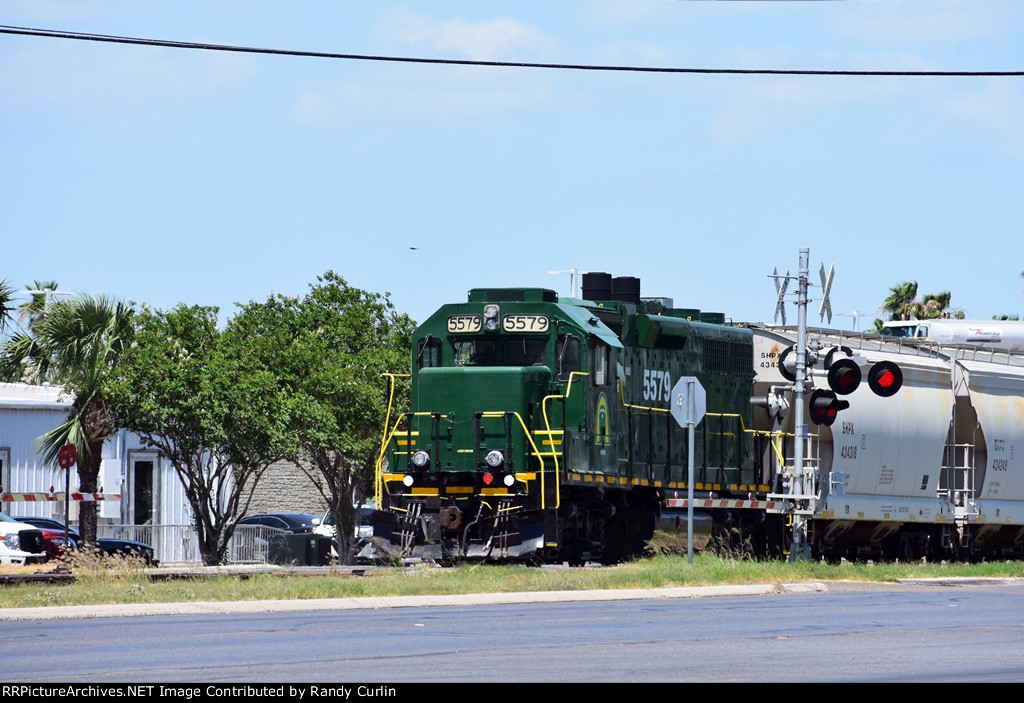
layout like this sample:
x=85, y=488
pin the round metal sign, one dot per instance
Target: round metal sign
x=67, y=455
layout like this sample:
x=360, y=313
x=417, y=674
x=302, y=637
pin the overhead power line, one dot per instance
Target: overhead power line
x=80, y=36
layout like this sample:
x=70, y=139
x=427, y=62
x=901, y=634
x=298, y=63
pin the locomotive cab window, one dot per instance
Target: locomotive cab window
x=601, y=365
x=567, y=356
x=475, y=352
x=525, y=351
x=428, y=354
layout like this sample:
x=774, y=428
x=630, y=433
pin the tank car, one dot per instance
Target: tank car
x=540, y=430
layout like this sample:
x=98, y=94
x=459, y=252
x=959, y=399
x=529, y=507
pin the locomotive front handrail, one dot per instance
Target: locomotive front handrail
x=377, y=481
x=551, y=439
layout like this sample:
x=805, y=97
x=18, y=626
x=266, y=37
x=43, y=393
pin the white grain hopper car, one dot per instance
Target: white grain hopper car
x=935, y=471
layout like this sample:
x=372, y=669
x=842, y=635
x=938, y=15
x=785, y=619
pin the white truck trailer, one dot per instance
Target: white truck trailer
x=1005, y=335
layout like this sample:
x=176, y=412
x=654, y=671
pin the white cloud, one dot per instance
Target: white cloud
x=458, y=93
x=621, y=12
x=437, y=91
x=757, y=104
x=43, y=71
x=500, y=39
x=927, y=20
x=996, y=107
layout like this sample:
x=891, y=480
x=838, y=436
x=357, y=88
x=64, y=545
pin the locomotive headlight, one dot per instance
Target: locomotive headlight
x=407, y=480
x=494, y=458
x=509, y=480
x=420, y=459
x=491, y=314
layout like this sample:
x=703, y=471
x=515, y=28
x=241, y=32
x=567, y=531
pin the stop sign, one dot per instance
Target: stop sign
x=67, y=455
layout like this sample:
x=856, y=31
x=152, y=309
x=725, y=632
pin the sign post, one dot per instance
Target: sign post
x=689, y=402
x=67, y=456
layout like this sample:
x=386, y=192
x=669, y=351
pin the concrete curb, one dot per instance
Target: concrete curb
x=377, y=602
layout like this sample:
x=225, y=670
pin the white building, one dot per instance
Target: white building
x=141, y=488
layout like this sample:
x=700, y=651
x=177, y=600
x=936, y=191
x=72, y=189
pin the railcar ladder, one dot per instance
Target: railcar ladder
x=959, y=490
x=790, y=501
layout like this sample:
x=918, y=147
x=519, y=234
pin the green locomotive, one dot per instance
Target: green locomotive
x=540, y=430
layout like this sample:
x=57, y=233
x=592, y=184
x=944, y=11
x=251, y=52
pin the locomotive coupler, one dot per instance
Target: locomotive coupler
x=450, y=519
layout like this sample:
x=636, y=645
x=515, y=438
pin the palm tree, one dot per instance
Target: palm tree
x=935, y=306
x=83, y=338
x=902, y=302
x=22, y=359
x=6, y=305
x=32, y=311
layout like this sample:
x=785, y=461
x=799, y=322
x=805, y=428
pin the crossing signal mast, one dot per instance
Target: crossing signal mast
x=844, y=376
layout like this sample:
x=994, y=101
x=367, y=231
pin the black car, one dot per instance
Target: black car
x=107, y=545
x=298, y=523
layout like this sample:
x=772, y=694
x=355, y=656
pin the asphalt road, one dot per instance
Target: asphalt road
x=955, y=630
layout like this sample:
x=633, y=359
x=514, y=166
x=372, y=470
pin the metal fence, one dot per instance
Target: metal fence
x=178, y=544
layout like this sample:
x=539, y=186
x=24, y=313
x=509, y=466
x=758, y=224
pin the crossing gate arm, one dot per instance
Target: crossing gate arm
x=56, y=497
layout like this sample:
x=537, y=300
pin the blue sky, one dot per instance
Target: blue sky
x=170, y=175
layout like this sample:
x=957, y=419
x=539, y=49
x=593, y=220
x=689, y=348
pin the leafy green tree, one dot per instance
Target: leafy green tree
x=191, y=391
x=82, y=340
x=330, y=351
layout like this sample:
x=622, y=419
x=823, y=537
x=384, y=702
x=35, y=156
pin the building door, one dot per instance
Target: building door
x=142, y=489
x=5, y=476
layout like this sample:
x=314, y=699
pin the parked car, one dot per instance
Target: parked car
x=298, y=523
x=53, y=532
x=20, y=542
x=364, y=527
x=286, y=538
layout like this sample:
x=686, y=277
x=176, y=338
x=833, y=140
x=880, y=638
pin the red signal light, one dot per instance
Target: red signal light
x=488, y=478
x=885, y=378
x=824, y=407
x=844, y=376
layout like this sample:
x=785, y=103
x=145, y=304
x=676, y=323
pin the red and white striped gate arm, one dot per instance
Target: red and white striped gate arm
x=55, y=497
x=720, y=503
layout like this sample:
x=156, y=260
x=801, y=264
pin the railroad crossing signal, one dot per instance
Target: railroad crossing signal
x=825, y=406
x=826, y=287
x=885, y=378
x=780, y=288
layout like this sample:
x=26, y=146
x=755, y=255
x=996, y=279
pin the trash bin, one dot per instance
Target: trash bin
x=318, y=550
x=300, y=550
x=288, y=550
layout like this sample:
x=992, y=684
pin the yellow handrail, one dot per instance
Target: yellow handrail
x=378, y=487
x=774, y=436
x=551, y=440
x=622, y=399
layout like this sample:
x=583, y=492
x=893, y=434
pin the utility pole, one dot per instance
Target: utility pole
x=574, y=275
x=47, y=293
